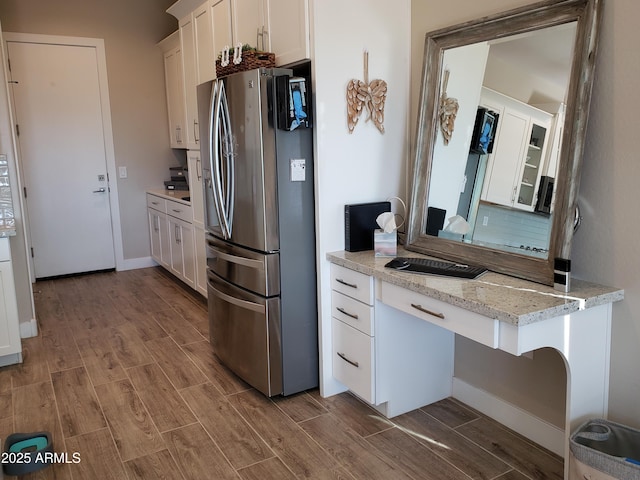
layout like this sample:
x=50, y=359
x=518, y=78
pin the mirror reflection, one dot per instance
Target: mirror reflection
x=492, y=182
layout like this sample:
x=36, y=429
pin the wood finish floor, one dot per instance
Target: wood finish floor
x=122, y=373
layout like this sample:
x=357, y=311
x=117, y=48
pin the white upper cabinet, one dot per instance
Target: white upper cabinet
x=519, y=154
x=278, y=26
x=174, y=82
x=205, y=29
x=250, y=24
x=204, y=41
x=189, y=65
x=222, y=29
x=288, y=30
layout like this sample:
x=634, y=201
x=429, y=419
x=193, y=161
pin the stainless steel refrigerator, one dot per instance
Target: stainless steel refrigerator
x=260, y=221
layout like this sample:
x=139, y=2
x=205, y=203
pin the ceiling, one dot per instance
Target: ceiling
x=546, y=53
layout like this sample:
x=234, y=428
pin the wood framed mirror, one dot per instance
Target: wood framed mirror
x=518, y=85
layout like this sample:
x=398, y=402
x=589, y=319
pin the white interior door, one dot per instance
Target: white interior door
x=58, y=109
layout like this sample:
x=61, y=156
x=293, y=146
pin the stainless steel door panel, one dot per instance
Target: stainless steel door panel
x=254, y=271
x=245, y=334
x=255, y=221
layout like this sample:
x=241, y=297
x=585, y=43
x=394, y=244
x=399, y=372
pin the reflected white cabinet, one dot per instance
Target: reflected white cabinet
x=519, y=154
x=10, y=345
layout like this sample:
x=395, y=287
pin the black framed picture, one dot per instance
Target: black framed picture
x=484, y=131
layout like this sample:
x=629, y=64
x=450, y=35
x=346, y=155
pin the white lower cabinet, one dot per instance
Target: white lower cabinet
x=183, y=263
x=10, y=345
x=201, y=261
x=382, y=354
x=172, y=236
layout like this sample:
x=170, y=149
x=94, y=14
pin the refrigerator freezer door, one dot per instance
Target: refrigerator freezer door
x=253, y=271
x=245, y=334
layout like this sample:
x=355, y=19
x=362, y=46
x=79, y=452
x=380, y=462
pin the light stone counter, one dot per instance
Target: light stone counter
x=175, y=195
x=508, y=299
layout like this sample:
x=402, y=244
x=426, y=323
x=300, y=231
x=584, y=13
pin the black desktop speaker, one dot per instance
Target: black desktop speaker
x=435, y=220
x=359, y=224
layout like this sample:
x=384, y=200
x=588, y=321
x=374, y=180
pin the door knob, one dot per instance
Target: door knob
x=100, y=190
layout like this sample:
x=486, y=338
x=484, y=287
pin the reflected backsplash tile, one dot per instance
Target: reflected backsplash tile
x=7, y=219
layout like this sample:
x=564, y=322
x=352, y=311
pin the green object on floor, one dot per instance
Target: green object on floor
x=26, y=453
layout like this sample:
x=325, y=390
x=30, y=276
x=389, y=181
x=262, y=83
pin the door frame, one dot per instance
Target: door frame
x=98, y=44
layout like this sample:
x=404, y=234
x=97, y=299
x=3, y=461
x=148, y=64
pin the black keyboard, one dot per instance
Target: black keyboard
x=435, y=267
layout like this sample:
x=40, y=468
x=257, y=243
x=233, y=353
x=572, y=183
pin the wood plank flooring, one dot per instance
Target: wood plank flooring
x=122, y=373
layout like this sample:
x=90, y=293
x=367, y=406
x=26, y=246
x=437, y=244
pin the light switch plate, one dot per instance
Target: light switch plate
x=297, y=168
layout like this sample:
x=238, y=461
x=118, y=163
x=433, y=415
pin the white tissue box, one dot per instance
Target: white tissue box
x=385, y=244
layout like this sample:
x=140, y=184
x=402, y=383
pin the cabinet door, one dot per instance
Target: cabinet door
x=175, y=97
x=206, y=66
x=201, y=260
x=249, y=24
x=9, y=328
x=154, y=234
x=288, y=29
x=222, y=31
x=182, y=250
x=187, y=239
x=187, y=42
x=504, y=163
x=196, y=188
x=531, y=168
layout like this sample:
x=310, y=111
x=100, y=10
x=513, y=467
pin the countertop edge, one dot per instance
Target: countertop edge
x=173, y=195
x=585, y=295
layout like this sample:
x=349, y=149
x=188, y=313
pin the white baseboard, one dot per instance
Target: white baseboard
x=135, y=263
x=29, y=329
x=539, y=431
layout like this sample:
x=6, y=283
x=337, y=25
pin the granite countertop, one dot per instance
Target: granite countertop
x=494, y=295
x=175, y=195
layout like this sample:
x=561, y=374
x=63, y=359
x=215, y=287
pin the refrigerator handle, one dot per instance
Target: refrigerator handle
x=247, y=262
x=256, y=307
x=214, y=156
x=230, y=164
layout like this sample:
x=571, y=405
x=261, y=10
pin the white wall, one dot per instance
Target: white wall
x=604, y=249
x=466, y=70
x=363, y=166
x=136, y=87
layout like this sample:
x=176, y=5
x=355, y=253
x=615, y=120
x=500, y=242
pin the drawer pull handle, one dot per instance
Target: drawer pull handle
x=352, y=315
x=351, y=362
x=352, y=285
x=428, y=312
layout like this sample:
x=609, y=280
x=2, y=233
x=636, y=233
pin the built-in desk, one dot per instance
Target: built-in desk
x=407, y=340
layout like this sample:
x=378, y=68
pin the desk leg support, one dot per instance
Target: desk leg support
x=586, y=350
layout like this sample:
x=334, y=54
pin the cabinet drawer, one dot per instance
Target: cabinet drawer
x=179, y=210
x=353, y=362
x=157, y=203
x=469, y=324
x=354, y=284
x=352, y=312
